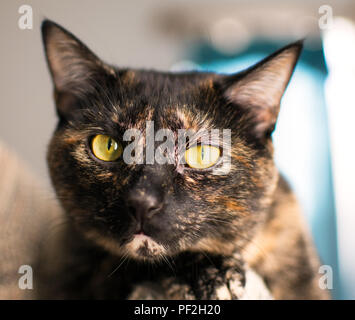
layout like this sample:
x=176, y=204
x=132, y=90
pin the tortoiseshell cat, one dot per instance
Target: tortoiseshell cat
x=186, y=232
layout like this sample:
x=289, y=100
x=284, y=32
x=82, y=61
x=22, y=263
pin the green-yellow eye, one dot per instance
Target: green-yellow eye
x=202, y=156
x=106, y=148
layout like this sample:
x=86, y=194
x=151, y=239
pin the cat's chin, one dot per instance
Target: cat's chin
x=143, y=247
x=138, y=246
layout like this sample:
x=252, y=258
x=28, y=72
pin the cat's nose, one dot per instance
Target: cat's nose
x=143, y=206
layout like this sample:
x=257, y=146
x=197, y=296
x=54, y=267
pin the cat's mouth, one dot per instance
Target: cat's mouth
x=144, y=247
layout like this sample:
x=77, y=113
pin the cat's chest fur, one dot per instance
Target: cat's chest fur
x=73, y=268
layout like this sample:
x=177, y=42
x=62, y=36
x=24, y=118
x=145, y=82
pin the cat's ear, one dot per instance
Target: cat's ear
x=259, y=89
x=74, y=68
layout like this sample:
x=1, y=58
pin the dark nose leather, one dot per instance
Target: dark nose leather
x=143, y=206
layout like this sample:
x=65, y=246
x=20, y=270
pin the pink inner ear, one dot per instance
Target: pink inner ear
x=261, y=88
x=264, y=85
x=72, y=64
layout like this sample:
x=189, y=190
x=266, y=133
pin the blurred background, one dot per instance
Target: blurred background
x=314, y=139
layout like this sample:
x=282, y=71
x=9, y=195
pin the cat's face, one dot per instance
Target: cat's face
x=152, y=210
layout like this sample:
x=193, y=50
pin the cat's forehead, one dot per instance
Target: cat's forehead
x=168, y=99
x=153, y=80
x=164, y=88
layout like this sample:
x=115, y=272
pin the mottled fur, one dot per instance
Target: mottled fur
x=208, y=227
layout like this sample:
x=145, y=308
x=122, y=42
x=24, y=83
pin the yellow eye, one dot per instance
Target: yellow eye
x=106, y=148
x=202, y=156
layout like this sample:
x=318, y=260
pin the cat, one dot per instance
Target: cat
x=182, y=230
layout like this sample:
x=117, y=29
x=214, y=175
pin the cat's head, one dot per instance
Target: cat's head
x=150, y=210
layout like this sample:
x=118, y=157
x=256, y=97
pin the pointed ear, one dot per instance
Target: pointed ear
x=73, y=67
x=259, y=89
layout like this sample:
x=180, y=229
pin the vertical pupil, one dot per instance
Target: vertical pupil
x=202, y=152
x=109, y=144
